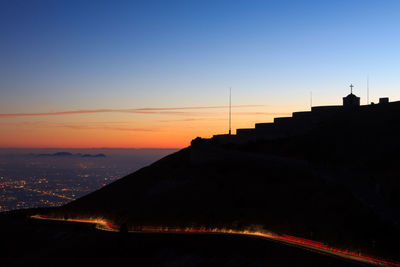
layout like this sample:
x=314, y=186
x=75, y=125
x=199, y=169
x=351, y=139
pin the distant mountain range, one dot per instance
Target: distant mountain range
x=68, y=154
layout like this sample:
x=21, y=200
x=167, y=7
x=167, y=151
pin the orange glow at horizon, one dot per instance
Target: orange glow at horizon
x=127, y=130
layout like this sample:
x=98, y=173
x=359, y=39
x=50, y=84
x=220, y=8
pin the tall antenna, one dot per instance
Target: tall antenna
x=311, y=100
x=230, y=108
x=367, y=89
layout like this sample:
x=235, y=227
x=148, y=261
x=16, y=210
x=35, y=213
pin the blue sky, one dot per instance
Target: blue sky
x=54, y=49
x=68, y=55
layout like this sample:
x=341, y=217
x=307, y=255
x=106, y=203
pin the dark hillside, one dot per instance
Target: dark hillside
x=279, y=195
x=337, y=184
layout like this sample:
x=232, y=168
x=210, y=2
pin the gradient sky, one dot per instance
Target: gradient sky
x=157, y=73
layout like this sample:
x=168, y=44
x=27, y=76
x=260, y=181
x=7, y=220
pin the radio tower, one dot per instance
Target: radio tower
x=367, y=89
x=230, y=108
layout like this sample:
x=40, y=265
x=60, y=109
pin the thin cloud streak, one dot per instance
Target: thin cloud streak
x=169, y=111
x=115, y=126
x=263, y=113
x=193, y=119
x=112, y=128
x=209, y=107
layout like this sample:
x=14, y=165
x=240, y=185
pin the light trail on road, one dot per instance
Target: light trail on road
x=105, y=225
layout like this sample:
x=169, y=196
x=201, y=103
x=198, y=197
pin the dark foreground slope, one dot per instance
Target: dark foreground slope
x=336, y=184
x=278, y=194
x=46, y=243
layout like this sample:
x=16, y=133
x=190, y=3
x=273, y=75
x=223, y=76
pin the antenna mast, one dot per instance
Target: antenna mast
x=367, y=89
x=230, y=108
x=310, y=100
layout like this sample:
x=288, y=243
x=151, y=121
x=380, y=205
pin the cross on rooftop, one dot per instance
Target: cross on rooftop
x=351, y=88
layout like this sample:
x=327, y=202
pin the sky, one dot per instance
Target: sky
x=157, y=73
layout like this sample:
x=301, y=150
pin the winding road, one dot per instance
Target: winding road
x=316, y=246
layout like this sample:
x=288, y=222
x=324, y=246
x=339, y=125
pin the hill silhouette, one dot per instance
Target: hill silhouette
x=335, y=183
x=68, y=154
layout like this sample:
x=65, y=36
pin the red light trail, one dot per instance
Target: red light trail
x=105, y=225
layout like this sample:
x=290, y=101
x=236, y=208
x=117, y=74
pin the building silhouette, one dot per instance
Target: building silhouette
x=301, y=122
x=351, y=100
